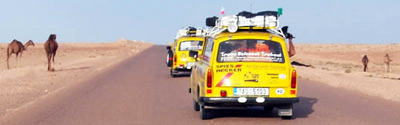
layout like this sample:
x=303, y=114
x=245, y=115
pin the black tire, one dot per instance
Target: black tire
x=286, y=117
x=171, y=73
x=204, y=113
x=268, y=108
x=169, y=55
x=284, y=107
x=196, y=106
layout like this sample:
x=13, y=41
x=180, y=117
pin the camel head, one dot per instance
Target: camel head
x=30, y=43
x=52, y=37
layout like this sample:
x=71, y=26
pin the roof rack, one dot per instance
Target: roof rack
x=190, y=32
x=264, y=21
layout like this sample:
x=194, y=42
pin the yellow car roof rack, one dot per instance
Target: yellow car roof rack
x=264, y=21
x=191, y=32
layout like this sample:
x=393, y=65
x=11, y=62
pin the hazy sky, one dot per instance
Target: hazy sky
x=157, y=21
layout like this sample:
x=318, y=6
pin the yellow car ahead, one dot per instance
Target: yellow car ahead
x=188, y=39
x=244, y=66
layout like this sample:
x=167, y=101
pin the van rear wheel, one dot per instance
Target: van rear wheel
x=268, y=108
x=285, y=111
x=196, y=106
x=204, y=113
x=171, y=73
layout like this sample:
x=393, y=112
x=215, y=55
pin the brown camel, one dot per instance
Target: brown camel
x=365, y=62
x=16, y=47
x=50, y=46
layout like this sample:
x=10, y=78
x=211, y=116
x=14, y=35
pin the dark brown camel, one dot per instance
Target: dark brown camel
x=16, y=47
x=365, y=62
x=50, y=46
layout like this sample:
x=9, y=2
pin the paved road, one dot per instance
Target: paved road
x=140, y=91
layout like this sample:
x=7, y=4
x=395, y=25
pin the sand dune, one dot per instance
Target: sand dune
x=28, y=78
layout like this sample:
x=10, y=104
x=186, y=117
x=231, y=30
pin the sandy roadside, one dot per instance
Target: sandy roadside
x=28, y=78
x=339, y=65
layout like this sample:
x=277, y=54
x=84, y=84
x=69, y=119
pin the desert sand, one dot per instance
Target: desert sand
x=28, y=78
x=337, y=65
x=340, y=65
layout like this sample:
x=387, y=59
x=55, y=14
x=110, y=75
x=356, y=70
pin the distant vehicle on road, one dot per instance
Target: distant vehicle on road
x=245, y=62
x=187, y=39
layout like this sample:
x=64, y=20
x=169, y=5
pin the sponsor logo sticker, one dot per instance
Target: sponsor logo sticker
x=280, y=91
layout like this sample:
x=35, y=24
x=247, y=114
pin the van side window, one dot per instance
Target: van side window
x=208, y=49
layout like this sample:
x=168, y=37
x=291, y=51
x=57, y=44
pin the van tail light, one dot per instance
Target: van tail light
x=209, y=78
x=223, y=93
x=175, y=60
x=294, y=78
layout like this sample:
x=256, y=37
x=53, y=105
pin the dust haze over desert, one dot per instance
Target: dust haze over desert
x=337, y=64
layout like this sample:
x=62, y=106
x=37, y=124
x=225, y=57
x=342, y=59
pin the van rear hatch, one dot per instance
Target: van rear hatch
x=184, y=48
x=251, y=63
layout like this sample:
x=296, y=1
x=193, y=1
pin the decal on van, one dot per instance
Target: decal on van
x=266, y=67
x=229, y=68
x=226, y=77
x=191, y=45
x=250, y=50
x=251, y=76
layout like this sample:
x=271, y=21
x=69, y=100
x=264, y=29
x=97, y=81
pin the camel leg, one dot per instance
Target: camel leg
x=385, y=67
x=16, y=58
x=8, y=57
x=365, y=68
x=48, y=62
x=54, y=54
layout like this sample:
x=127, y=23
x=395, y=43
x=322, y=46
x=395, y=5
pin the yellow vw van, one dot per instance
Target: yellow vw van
x=244, y=64
x=187, y=39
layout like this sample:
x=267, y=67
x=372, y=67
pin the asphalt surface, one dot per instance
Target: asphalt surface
x=140, y=91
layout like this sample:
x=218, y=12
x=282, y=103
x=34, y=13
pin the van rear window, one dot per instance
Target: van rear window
x=190, y=45
x=250, y=50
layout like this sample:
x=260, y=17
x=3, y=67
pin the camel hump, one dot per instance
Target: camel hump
x=21, y=46
x=14, y=40
x=51, y=46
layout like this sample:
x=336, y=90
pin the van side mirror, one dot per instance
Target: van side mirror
x=285, y=30
x=168, y=47
x=286, y=33
x=194, y=54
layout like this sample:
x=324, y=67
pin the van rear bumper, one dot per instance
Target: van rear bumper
x=183, y=69
x=250, y=101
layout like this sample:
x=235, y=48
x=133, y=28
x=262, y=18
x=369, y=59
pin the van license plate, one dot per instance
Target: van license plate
x=250, y=91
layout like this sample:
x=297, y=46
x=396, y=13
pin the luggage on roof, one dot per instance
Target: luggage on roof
x=263, y=21
x=191, y=32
